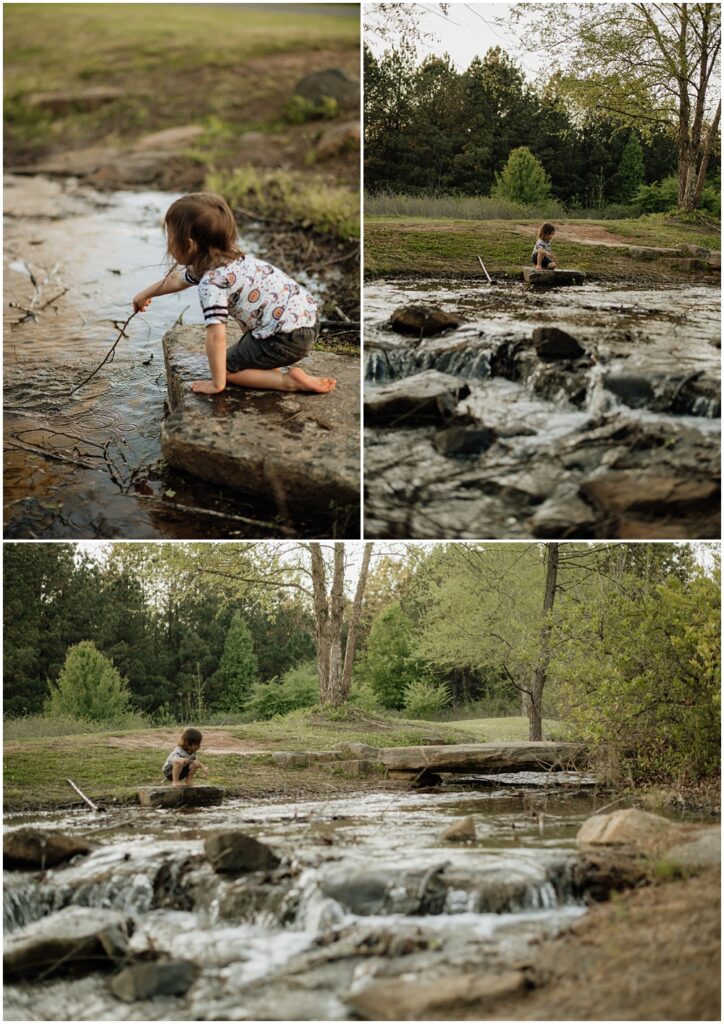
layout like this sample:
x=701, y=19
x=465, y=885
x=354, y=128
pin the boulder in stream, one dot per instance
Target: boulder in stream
x=425, y=998
x=157, y=978
x=462, y=831
x=31, y=849
x=237, y=852
x=291, y=449
x=424, y=321
x=76, y=939
x=628, y=827
x=180, y=796
x=429, y=396
x=553, y=343
x=460, y=441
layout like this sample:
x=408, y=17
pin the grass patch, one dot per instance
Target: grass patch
x=510, y=729
x=447, y=247
x=391, y=204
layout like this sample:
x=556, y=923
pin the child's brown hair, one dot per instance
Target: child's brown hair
x=546, y=229
x=190, y=737
x=204, y=219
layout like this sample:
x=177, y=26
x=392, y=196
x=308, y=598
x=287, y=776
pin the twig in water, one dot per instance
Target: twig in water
x=50, y=455
x=194, y=510
x=93, y=807
x=109, y=354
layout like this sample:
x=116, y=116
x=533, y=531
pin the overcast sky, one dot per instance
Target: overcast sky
x=467, y=31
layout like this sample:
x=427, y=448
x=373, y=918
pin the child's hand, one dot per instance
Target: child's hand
x=141, y=302
x=205, y=387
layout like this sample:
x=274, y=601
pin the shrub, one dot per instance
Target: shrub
x=424, y=698
x=238, y=667
x=89, y=687
x=630, y=174
x=362, y=695
x=524, y=179
x=300, y=110
x=298, y=688
x=660, y=197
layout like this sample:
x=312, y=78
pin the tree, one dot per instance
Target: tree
x=88, y=687
x=630, y=173
x=648, y=65
x=238, y=668
x=523, y=179
x=389, y=664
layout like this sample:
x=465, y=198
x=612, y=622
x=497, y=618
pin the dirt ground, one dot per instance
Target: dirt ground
x=216, y=741
x=586, y=234
x=650, y=954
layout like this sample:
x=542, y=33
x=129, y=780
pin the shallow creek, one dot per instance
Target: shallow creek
x=644, y=397
x=88, y=464
x=366, y=888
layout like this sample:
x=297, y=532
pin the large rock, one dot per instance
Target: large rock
x=564, y=514
x=462, y=442
x=651, y=252
x=31, y=849
x=426, y=998
x=552, y=278
x=332, y=83
x=422, y=321
x=76, y=938
x=553, y=343
x=180, y=796
x=666, y=494
x=290, y=449
x=629, y=827
x=484, y=757
x=429, y=396
x=703, y=850
x=158, y=978
x=462, y=831
x=237, y=852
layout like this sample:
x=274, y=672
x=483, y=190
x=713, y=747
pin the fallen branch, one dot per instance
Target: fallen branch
x=81, y=794
x=52, y=456
x=194, y=510
x=109, y=354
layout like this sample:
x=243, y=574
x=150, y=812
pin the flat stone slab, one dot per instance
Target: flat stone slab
x=552, y=278
x=296, y=449
x=487, y=758
x=76, y=938
x=430, y=396
x=180, y=796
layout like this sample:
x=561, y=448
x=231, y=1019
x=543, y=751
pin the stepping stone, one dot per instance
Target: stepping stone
x=291, y=449
x=552, y=278
x=429, y=396
x=180, y=796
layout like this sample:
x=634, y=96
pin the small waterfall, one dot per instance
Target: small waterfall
x=24, y=901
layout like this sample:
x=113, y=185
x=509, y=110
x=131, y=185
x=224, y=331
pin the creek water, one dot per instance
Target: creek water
x=651, y=371
x=367, y=888
x=88, y=464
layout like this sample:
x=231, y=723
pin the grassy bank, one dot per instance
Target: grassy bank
x=419, y=246
x=108, y=766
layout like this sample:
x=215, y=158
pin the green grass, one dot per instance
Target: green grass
x=503, y=730
x=414, y=245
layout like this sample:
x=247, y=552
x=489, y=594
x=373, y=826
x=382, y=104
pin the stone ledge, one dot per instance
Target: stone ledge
x=180, y=796
x=552, y=278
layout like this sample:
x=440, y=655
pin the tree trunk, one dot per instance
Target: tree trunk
x=535, y=697
x=328, y=613
x=710, y=139
x=346, y=680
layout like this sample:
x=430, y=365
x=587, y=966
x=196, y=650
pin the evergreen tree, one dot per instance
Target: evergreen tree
x=389, y=665
x=238, y=668
x=89, y=687
x=630, y=173
x=523, y=179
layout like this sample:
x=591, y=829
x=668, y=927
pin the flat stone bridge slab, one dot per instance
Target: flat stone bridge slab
x=418, y=764
x=295, y=450
x=552, y=278
x=180, y=796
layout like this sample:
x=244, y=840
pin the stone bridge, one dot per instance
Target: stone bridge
x=427, y=764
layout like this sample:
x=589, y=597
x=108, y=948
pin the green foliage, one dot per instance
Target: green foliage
x=424, y=698
x=363, y=696
x=300, y=110
x=388, y=664
x=39, y=726
x=630, y=173
x=456, y=207
x=298, y=688
x=238, y=667
x=660, y=197
x=89, y=686
x=524, y=179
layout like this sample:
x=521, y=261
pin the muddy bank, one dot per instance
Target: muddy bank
x=587, y=412
x=88, y=464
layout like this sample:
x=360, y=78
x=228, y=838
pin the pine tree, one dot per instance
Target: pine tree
x=238, y=668
x=523, y=179
x=630, y=173
x=89, y=687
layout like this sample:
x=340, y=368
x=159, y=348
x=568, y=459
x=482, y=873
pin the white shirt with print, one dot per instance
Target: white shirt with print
x=258, y=296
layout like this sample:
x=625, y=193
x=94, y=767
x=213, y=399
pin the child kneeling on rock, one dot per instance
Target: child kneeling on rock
x=182, y=763
x=278, y=317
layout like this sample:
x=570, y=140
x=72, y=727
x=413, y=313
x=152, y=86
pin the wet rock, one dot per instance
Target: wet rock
x=180, y=796
x=629, y=827
x=428, y=396
x=714, y=261
x=30, y=849
x=702, y=851
x=552, y=278
x=340, y=138
x=621, y=491
x=600, y=873
x=331, y=83
x=238, y=852
x=159, y=978
x=363, y=894
x=61, y=102
x=462, y=831
x=75, y=939
x=423, y=321
x=564, y=514
x=462, y=441
x=294, y=450
x=553, y=343
x=423, y=998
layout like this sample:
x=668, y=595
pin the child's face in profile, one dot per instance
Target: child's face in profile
x=548, y=235
x=193, y=747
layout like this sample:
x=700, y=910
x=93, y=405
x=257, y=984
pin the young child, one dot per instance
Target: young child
x=182, y=763
x=542, y=257
x=278, y=318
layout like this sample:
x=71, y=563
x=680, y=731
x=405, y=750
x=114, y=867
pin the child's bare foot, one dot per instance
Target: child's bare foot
x=304, y=381
x=177, y=783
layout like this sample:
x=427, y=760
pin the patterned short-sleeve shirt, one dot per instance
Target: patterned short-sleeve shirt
x=177, y=754
x=545, y=247
x=261, y=298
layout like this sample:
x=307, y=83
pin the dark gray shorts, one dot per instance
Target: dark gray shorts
x=168, y=772
x=250, y=353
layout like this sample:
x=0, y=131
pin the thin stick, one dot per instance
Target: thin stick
x=93, y=807
x=480, y=260
x=109, y=354
x=194, y=510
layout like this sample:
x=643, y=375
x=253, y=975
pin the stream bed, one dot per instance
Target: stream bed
x=88, y=465
x=366, y=888
x=621, y=441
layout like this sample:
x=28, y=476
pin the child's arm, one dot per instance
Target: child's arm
x=216, y=354
x=173, y=282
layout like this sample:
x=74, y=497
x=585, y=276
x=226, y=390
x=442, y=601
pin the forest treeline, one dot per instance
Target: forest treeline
x=432, y=129
x=618, y=642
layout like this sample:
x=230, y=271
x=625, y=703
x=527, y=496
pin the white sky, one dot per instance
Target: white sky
x=467, y=31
